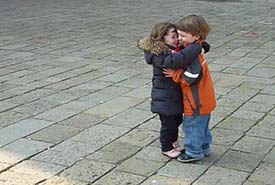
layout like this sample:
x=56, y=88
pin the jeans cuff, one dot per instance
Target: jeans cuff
x=207, y=151
x=194, y=155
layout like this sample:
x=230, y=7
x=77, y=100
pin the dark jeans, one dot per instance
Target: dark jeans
x=169, y=130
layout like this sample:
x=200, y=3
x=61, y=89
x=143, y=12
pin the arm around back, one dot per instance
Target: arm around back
x=183, y=58
x=206, y=46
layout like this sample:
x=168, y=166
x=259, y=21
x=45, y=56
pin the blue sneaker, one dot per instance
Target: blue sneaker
x=184, y=158
x=207, y=152
x=207, y=155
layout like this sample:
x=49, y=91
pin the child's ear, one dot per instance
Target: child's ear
x=197, y=37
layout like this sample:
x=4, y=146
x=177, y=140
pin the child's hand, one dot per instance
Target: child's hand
x=168, y=72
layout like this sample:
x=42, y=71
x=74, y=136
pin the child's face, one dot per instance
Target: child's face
x=171, y=38
x=186, y=38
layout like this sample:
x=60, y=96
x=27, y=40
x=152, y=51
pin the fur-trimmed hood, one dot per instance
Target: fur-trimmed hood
x=153, y=47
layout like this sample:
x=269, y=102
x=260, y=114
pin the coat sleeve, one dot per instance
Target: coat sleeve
x=148, y=57
x=178, y=78
x=191, y=76
x=193, y=73
x=156, y=60
x=183, y=58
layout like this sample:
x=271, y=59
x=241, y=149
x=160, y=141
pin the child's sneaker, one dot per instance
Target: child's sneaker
x=187, y=158
x=207, y=152
x=177, y=146
x=172, y=153
x=207, y=155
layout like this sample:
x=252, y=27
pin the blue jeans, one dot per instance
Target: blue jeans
x=197, y=135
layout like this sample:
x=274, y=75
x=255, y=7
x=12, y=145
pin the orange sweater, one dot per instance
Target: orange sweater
x=199, y=97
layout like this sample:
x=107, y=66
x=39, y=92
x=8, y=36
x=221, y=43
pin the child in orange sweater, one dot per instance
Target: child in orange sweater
x=197, y=88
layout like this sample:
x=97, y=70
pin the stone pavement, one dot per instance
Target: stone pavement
x=75, y=93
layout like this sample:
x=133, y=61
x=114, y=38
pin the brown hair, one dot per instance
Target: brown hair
x=194, y=24
x=160, y=30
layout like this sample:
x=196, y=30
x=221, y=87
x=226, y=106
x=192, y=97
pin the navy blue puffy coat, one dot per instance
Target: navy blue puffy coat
x=166, y=95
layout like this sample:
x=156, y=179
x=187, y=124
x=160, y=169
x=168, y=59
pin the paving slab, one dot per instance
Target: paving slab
x=14, y=178
x=139, y=137
x=21, y=149
x=235, y=123
x=10, y=117
x=114, y=153
x=270, y=156
x=55, y=133
x=263, y=174
x=226, y=137
x=254, y=145
x=38, y=169
x=63, y=181
x=241, y=161
x=87, y=170
x=164, y=180
x=140, y=166
x=130, y=118
x=187, y=172
x=219, y=175
x=120, y=178
x=21, y=129
x=264, y=129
